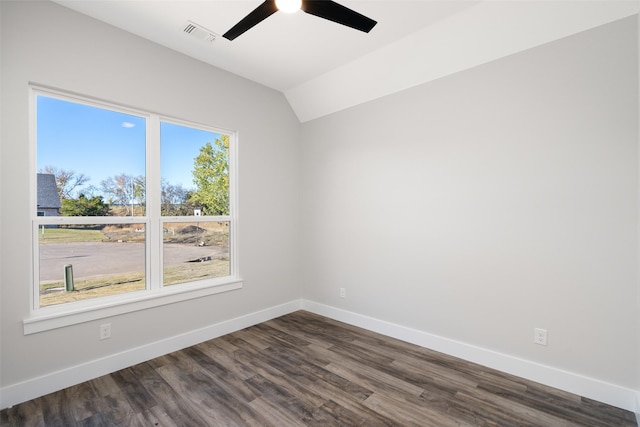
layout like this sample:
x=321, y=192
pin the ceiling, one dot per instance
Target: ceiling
x=323, y=67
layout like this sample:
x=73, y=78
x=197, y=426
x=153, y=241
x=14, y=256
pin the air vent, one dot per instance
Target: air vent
x=199, y=32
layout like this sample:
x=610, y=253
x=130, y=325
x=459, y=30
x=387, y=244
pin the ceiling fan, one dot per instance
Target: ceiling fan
x=326, y=9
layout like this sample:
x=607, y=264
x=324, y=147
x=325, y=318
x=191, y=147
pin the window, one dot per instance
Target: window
x=194, y=249
x=128, y=205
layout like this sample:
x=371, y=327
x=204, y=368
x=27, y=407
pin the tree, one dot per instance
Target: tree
x=211, y=177
x=125, y=190
x=66, y=181
x=83, y=206
x=174, y=200
x=139, y=190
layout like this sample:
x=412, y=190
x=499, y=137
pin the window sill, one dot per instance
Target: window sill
x=56, y=317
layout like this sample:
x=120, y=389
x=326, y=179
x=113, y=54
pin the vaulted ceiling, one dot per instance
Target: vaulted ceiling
x=323, y=67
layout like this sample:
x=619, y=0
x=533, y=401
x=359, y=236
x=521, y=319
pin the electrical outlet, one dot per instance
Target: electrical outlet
x=105, y=331
x=343, y=293
x=540, y=336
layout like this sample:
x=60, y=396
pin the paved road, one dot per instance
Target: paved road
x=91, y=259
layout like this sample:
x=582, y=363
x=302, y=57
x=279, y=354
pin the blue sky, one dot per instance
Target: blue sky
x=101, y=143
x=179, y=147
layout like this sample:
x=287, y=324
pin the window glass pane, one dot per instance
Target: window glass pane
x=79, y=262
x=195, y=171
x=195, y=251
x=91, y=161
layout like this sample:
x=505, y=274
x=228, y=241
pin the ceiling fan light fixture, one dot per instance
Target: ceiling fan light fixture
x=288, y=6
x=326, y=9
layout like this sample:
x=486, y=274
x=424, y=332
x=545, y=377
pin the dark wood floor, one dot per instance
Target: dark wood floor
x=305, y=370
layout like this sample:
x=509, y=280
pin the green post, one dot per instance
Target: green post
x=68, y=277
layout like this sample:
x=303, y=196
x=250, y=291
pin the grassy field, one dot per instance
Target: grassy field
x=195, y=271
x=52, y=293
x=70, y=235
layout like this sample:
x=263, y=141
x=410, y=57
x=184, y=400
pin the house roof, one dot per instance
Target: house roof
x=48, y=197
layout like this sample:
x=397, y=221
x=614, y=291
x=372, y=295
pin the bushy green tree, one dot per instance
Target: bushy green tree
x=83, y=206
x=211, y=177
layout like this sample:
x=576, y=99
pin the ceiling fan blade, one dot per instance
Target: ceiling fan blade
x=335, y=12
x=258, y=15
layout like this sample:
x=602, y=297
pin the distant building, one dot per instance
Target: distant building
x=48, y=197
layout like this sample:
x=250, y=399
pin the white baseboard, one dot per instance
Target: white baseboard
x=588, y=387
x=36, y=387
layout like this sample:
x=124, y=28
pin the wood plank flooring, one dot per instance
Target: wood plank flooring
x=305, y=370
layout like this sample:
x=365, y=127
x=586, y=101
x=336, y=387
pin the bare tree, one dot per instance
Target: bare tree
x=125, y=190
x=173, y=200
x=67, y=181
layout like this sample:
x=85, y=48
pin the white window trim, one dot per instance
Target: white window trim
x=113, y=306
x=51, y=317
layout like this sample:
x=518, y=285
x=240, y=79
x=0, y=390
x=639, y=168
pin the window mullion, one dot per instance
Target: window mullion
x=233, y=207
x=154, y=235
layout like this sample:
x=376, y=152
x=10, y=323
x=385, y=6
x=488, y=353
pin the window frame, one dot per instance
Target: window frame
x=155, y=293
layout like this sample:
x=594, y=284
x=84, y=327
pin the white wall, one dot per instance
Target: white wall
x=51, y=45
x=490, y=202
x=638, y=295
